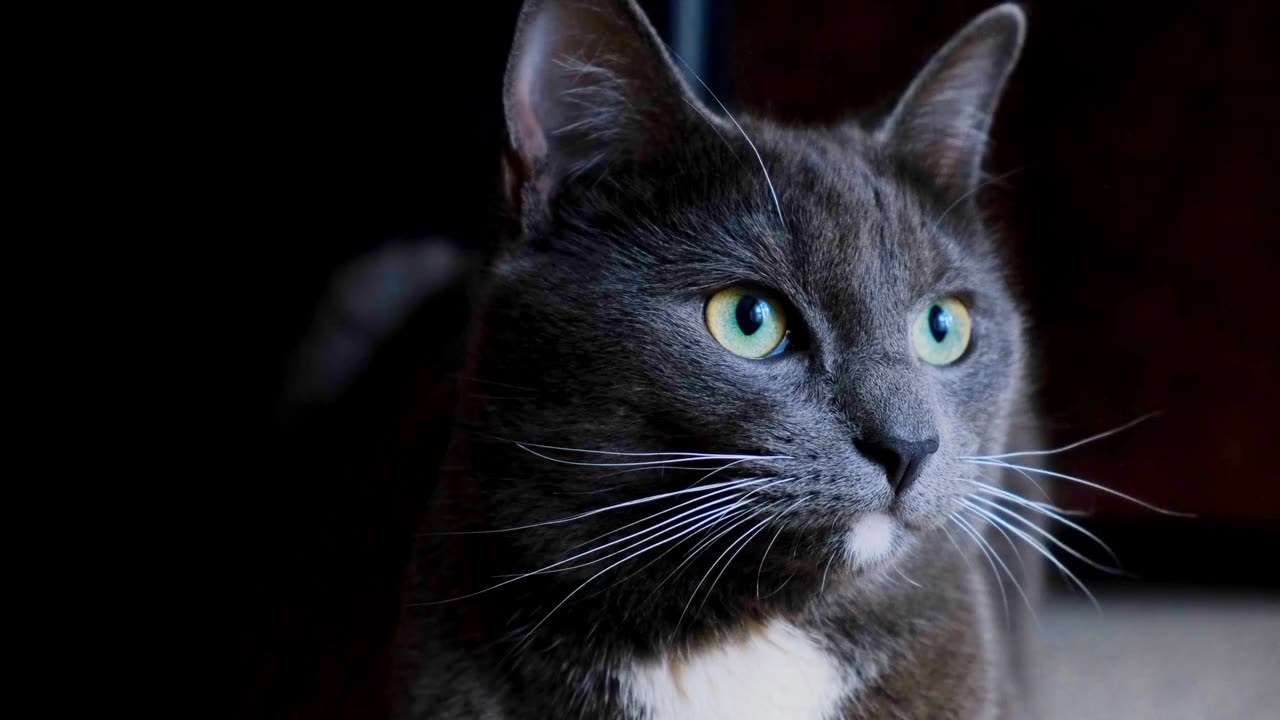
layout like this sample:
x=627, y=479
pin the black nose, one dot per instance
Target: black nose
x=902, y=459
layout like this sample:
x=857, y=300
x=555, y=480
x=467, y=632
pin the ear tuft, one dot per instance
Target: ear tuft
x=941, y=122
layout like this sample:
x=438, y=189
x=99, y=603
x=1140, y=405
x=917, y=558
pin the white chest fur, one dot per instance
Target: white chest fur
x=775, y=671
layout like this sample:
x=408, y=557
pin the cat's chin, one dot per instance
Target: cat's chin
x=873, y=540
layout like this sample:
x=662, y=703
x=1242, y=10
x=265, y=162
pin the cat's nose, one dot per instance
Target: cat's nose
x=902, y=459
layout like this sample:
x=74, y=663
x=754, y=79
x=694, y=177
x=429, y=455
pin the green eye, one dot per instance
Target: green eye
x=747, y=322
x=940, y=334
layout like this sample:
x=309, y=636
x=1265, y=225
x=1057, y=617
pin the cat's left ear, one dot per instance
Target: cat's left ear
x=589, y=83
x=941, y=122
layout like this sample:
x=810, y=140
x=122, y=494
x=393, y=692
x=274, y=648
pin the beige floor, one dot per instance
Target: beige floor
x=1168, y=655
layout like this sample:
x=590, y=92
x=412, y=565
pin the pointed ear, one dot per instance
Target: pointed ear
x=588, y=83
x=941, y=123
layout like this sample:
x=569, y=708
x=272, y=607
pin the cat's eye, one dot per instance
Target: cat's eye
x=747, y=322
x=940, y=334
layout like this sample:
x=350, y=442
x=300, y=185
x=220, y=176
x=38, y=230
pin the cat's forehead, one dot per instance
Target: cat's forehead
x=845, y=220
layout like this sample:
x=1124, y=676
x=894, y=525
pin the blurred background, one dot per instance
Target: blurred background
x=1135, y=155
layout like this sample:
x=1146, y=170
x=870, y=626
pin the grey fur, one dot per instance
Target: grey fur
x=634, y=203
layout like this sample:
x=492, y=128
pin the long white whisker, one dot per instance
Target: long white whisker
x=983, y=546
x=1012, y=495
x=1057, y=563
x=698, y=587
x=1036, y=503
x=745, y=540
x=579, y=516
x=1096, y=486
x=823, y=587
x=698, y=499
x=701, y=545
x=1009, y=540
x=1046, y=510
x=707, y=510
x=956, y=545
x=768, y=181
x=699, y=458
x=730, y=514
x=904, y=577
x=1035, y=483
x=771, y=542
x=719, y=470
x=1064, y=448
x=548, y=568
x=713, y=456
x=593, y=577
x=1012, y=576
x=741, y=500
x=680, y=468
x=1046, y=534
x=706, y=542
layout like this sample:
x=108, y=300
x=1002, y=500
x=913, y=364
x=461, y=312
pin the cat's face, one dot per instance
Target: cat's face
x=842, y=345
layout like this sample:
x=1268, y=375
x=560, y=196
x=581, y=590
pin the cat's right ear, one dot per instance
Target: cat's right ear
x=941, y=123
x=588, y=83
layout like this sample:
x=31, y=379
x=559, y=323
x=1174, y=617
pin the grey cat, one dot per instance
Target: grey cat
x=726, y=398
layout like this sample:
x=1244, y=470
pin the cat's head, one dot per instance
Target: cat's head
x=821, y=309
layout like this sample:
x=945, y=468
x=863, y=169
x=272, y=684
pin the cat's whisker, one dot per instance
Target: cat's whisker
x=617, y=453
x=774, y=540
x=1027, y=476
x=778, y=589
x=666, y=552
x=753, y=492
x=719, y=535
x=718, y=470
x=684, y=468
x=1096, y=486
x=694, y=552
x=1012, y=546
x=1013, y=577
x=989, y=553
x=698, y=499
x=956, y=545
x=549, y=568
x=969, y=562
x=589, y=513
x=1044, y=551
x=768, y=181
x=717, y=519
x=696, y=458
x=745, y=540
x=741, y=500
x=469, y=378
x=588, y=581
x=645, y=535
x=701, y=545
x=1065, y=448
x=1046, y=534
x=1043, y=509
x=995, y=489
x=823, y=586
x=904, y=577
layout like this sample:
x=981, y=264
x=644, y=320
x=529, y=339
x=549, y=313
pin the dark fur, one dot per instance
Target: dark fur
x=592, y=336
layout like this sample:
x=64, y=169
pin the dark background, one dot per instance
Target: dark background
x=1136, y=147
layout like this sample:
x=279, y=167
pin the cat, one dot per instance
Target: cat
x=724, y=404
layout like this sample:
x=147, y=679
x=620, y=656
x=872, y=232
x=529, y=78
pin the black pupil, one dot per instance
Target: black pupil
x=750, y=313
x=939, y=322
